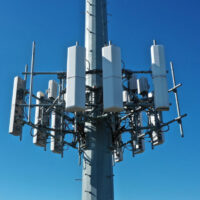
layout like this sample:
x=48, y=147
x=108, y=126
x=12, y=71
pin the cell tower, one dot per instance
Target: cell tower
x=94, y=103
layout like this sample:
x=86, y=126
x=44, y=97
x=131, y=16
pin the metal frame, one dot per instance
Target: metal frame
x=130, y=109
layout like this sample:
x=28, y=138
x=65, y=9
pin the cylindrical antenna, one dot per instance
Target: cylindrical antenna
x=154, y=42
x=176, y=98
x=31, y=81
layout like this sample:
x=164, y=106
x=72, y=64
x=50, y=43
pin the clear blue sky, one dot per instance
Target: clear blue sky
x=171, y=171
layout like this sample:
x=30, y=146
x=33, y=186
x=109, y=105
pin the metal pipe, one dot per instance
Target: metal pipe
x=87, y=72
x=34, y=105
x=176, y=98
x=97, y=176
x=174, y=120
x=31, y=81
x=174, y=88
x=128, y=71
x=43, y=73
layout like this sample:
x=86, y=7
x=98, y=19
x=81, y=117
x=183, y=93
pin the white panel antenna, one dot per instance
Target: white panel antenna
x=157, y=136
x=138, y=142
x=56, y=135
x=161, y=96
x=75, y=93
x=41, y=121
x=17, y=111
x=112, y=79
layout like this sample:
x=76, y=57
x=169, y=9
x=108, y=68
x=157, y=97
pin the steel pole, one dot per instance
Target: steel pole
x=97, y=176
x=177, y=101
x=31, y=81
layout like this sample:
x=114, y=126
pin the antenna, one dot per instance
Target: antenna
x=17, y=112
x=174, y=90
x=41, y=121
x=90, y=109
x=31, y=81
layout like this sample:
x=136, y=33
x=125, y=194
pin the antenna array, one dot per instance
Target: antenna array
x=97, y=106
x=127, y=101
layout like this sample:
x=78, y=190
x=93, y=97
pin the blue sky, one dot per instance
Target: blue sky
x=171, y=171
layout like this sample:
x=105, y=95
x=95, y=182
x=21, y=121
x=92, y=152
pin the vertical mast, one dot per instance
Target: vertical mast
x=96, y=37
x=97, y=177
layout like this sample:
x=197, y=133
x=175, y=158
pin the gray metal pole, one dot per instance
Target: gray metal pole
x=177, y=101
x=97, y=177
x=31, y=81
